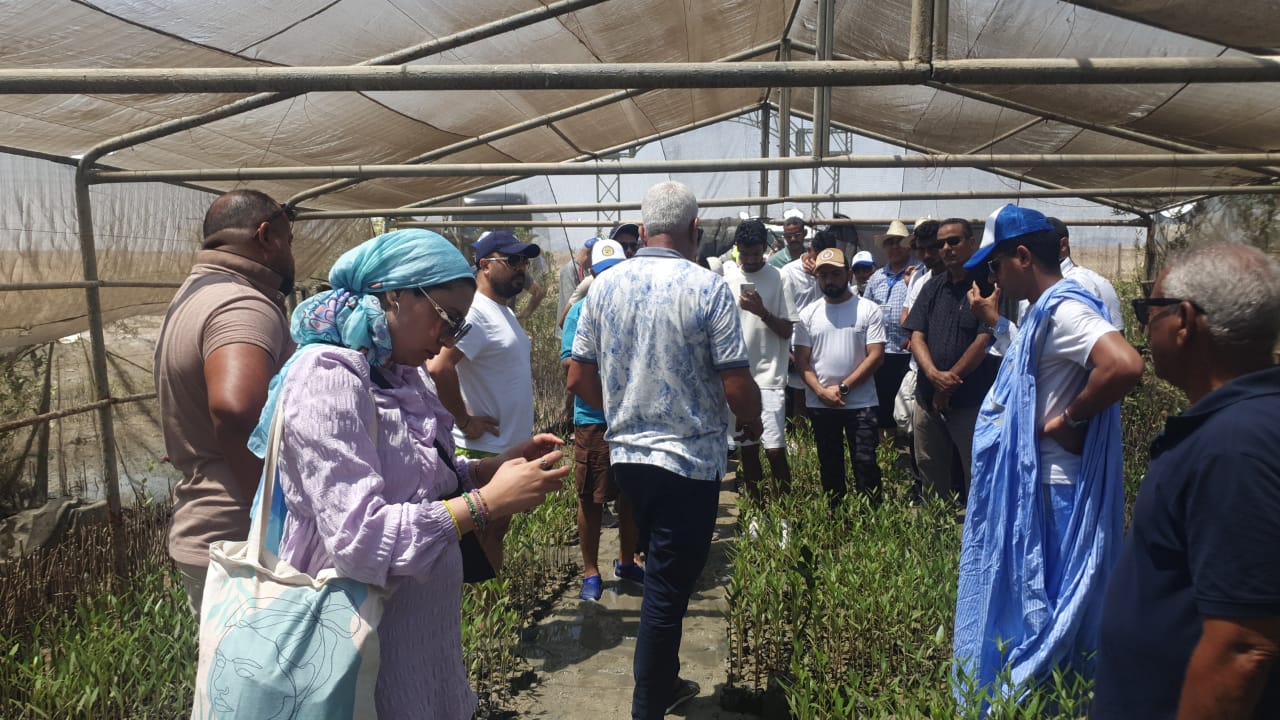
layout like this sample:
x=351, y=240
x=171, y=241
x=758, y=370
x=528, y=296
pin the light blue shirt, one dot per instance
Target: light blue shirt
x=661, y=329
x=583, y=414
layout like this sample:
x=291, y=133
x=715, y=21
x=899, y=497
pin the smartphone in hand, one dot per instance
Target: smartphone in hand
x=746, y=288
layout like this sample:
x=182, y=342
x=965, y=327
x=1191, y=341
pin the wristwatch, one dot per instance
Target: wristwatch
x=844, y=389
x=1072, y=422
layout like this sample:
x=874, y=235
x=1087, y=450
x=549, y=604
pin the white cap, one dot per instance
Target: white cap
x=862, y=258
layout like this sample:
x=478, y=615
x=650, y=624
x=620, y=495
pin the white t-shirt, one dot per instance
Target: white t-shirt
x=838, y=334
x=767, y=351
x=1061, y=374
x=803, y=286
x=1099, y=287
x=496, y=376
x=918, y=279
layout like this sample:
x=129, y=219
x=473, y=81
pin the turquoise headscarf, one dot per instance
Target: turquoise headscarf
x=350, y=315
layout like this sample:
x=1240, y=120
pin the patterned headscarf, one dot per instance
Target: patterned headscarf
x=350, y=315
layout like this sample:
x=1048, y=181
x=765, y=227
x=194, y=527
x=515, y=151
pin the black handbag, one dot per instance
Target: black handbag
x=475, y=563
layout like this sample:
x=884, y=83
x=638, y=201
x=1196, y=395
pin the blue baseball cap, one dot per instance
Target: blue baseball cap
x=505, y=243
x=1008, y=223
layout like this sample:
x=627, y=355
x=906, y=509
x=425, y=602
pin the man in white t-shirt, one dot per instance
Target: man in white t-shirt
x=1078, y=368
x=839, y=344
x=486, y=379
x=767, y=313
x=803, y=289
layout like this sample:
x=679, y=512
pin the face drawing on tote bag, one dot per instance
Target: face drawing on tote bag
x=275, y=654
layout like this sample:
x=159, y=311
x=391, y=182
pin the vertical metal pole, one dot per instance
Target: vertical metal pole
x=822, y=95
x=921, y=48
x=1149, y=273
x=784, y=125
x=941, y=29
x=764, y=153
x=98, y=346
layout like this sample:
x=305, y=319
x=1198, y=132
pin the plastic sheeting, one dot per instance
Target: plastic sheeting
x=145, y=233
x=390, y=127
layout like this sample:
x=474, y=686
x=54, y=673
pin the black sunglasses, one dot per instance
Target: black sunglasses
x=1142, y=307
x=953, y=241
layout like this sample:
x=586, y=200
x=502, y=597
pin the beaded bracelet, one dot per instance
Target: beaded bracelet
x=476, y=517
x=484, y=506
x=457, y=528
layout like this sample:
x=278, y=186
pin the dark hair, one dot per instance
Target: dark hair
x=925, y=233
x=1044, y=246
x=1059, y=227
x=239, y=210
x=968, y=229
x=823, y=239
x=751, y=233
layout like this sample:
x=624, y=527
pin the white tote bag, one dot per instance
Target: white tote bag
x=276, y=643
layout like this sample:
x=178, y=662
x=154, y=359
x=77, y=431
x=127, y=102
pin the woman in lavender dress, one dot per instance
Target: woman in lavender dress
x=366, y=457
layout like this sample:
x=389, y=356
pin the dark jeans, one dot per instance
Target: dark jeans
x=679, y=516
x=888, y=379
x=831, y=428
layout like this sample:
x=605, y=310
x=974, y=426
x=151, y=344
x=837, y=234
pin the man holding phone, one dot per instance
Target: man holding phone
x=767, y=313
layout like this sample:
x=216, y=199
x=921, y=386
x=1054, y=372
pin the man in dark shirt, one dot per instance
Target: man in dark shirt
x=950, y=348
x=1191, y=620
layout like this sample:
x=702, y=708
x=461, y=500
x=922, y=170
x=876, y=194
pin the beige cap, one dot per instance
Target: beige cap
x=830, y=256
x=896, y=229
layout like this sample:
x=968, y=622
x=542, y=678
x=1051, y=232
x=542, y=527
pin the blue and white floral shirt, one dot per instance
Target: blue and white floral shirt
x=661, y=329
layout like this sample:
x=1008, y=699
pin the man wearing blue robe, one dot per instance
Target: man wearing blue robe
x=1046, y=510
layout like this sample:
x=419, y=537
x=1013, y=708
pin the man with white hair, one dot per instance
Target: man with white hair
x=1191, y=619
x=659, y=347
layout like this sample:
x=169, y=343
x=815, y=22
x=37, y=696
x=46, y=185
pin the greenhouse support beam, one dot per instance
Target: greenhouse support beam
x=511, y=130
x=431, y=224
x=995, y=171
x=590, y=165
x=822, y=93
x=99, y=405
x=595, y=155
x=921, y=48
x=1006, y=135
x=941, y=28
x=84, y=284
x=98, y=352
x=986, y=97
x=1004, y=194
x=765, y=114
x=784, y=124
x=618, y=76
x=273, y=95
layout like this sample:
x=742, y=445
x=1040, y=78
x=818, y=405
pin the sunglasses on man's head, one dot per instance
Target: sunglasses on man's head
x=1142, y=307
x=457, y=327
x=288, y=211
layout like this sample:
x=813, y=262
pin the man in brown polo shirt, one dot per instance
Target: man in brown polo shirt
x=225, y=335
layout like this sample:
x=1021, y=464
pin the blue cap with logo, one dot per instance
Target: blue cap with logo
x=1007, y=223
x=505, y=243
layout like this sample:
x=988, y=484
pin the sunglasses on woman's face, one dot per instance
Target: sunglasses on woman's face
x=457, y=328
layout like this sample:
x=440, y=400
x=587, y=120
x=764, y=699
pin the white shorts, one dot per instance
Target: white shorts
x=773, y=417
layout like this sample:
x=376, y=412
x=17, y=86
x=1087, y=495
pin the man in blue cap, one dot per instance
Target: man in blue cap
x=1046, y=509
x=486, y=379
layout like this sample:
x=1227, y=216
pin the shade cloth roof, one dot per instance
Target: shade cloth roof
x=337, y=128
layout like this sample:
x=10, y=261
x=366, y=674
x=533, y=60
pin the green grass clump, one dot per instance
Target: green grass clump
x=126, y=654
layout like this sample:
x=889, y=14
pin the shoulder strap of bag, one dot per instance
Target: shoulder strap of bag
x=445, y=456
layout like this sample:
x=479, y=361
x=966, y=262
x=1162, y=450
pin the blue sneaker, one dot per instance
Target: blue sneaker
x=630, y=572
x=591, y=588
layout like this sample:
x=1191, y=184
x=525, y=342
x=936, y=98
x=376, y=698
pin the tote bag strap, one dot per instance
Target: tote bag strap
x=261, y=519
x=260, y=522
